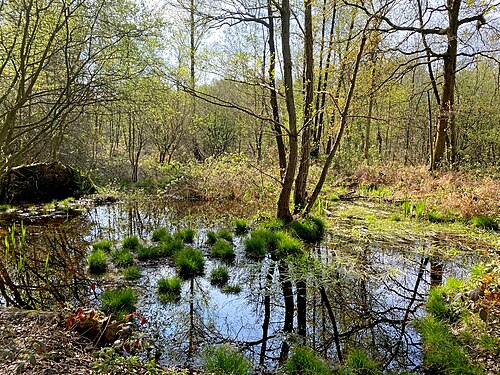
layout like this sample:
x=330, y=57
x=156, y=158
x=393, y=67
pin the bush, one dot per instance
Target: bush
x=225, y=235
x=98, y=261
x=225, y=360
x=219, y=276
x=104, y=245
x=222, y=249
x=305, y=361
x=484, y=222
x=287, y=246
x=241, y=226
x=170, y=288
x=189, y=263
x=256, y=247
x=160, y=235
x=119, y=301
x=186, y=235
x=130, y=243
x=131, y=273
x=211, y=237
x=122, y=258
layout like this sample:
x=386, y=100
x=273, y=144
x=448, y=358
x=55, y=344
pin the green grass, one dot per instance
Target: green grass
x=288, y=246
x=484, y=222
x=160, y=235
x=273, y=224
x=219, y=276
x=256, y=247
x=224, y=234
x=170, y=247
x=305, y=361
x=186, y=235
x=189, y=263
x=270, y=237
x=358, y=362
x=442, y=351
x=122, y=258
x=225, y=360
x=211, y=237
x=310, y=229
x=148, y=252
x=131, y=273
x=231, y=289
x=169, y=288
x=105, y=245
x=241, y=226
x=130, y=243
x=119, y=301
x=437, y=303
x=223, y=249
x=98, y=262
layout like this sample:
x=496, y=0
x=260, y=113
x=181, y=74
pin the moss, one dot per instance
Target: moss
x=189, y=263
x=223, y=249
x=98, y=262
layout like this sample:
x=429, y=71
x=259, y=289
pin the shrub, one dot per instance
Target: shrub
x=189, y=263
x=305, y=361
x=225, y=360
x=104, y=245
x=130, y=243
x=241, y=226
x=160, y=235
x=98, y=261
x=484, y=222
x=211, y=237
x=169, y=288
x=186, y=235
x=119, y=301
x=255, y=247
x=287, y=245
x=219, y=276
x=225, y=235
x=131, y=273
x=222, y=249
x=122, y=258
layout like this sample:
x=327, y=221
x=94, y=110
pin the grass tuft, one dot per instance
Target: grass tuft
x=256, y=247
x=305, y=361
x=160, y=235
x=225, y=235
x=122, y=258
x=186, y=235
x=219, y=276
x=225, y=360
x=130, y=243
x=119, y=301
x=484, y=222
x=189, y=263
x=358, y=362
x=211, y=237
x=169, y=288
x=287, y=246
x=231, y=289
x=132, y=273
x=223, y=249
x=98, y=262
x=241, y=226
x=310, y=229
x=105, y=245
x=148, y=252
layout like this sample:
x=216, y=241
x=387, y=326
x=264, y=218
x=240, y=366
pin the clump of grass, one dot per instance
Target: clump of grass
x=358, y=362
x=273, y=224
x=225, y=235
x=310, y=229
x=119, y=301
x=122, y=258
x=287, y=246
x=222, y=249
x=186, y=235
x=442, y=351
x=104, y=245
x=189, y=263
x=169, y=288
x=395, y=217
x=437, y=304
x=4, y=207
x=148, y=252
x=484, y=222
x=98, y=262
x=270, y=237
x=219, y=276
x=130, y=243
x=305, y=361
x=231, y=289
x=131, y=273
x=256, y=247
x=211, y=237
x=160, y=235
x=241, y=226
x=170, y=247
x=225, y=360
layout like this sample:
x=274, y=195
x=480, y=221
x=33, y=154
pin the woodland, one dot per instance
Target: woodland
x=293, y=145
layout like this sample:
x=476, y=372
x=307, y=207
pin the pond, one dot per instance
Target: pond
x=362, y=291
